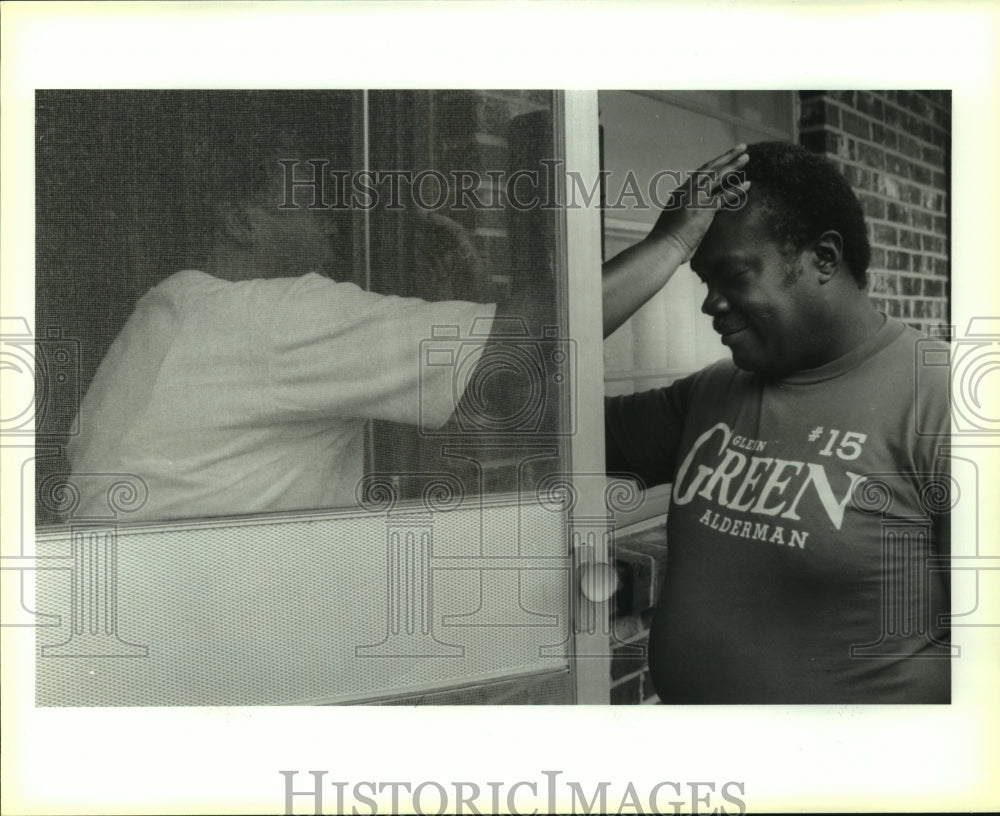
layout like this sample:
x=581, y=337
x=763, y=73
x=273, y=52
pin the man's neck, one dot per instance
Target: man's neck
x=854, y=324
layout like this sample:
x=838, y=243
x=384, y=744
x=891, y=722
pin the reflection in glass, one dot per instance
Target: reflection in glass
x=129, y=185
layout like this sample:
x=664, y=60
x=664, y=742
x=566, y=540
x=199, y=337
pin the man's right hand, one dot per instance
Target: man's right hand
x=635, y=275
x=692, y=206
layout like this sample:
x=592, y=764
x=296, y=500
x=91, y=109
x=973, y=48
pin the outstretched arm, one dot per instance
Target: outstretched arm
x=635, y=275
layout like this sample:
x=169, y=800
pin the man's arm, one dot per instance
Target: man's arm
x=635, y=275
x=632, y=277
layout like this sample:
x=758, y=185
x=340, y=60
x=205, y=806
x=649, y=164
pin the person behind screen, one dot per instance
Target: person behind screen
x=781, y=457
x=243, y=384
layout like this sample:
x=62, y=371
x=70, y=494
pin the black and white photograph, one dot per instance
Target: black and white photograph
x=390, y=408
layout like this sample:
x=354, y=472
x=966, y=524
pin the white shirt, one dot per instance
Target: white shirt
x=251, y=396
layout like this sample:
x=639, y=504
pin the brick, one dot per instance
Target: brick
x=883, y=283
x=878, y=258
x=627, y=693
x=941, y=267
x=884, y=234
x=856, y=125
x=940, y=225
x=941, y=138
x=919, y=103
x=897, y=165
x=909, y=240
x=941, y=181
x=921, y=174
x=816, y=112
x=934, y=288
x=923, y=263
x=942, y=108
x=873, y=207
x=859, y=177
x=932, y=155
x=897, y=213
x=844, y=97
x=908, y=146
x=910, y=286
x=927, y=106
x=922, y=219
x=869, y=103
x=823, y=141
x=895, y=307
x=625, y=661
x=883, y=136
x=925, y=130
x=942, y=118
x=911, y=194
x=898, y=260
x=891, y=116
x=933, y=243
x=871, y=155
x=889, y=186
x=939, y=96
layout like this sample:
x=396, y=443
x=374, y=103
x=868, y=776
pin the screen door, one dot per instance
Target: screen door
x=453, y=575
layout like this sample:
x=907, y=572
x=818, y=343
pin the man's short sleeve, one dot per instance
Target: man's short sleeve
x=337, y=350
x=642, y=432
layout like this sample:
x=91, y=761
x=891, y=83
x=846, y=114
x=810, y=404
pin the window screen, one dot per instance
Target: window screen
x=128, y=185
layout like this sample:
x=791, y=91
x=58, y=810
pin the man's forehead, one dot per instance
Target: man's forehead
x=733, y=236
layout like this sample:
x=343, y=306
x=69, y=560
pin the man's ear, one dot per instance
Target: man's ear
x=827, y=254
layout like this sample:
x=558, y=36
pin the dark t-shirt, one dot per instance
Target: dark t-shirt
x=803, y=514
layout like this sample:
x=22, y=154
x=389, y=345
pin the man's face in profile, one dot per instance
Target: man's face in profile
x=758, y=297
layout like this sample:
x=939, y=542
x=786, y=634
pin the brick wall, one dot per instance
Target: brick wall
x=894, y=147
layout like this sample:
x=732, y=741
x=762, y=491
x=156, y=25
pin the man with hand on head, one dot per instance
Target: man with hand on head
x=243, y=383
x=787, y=461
